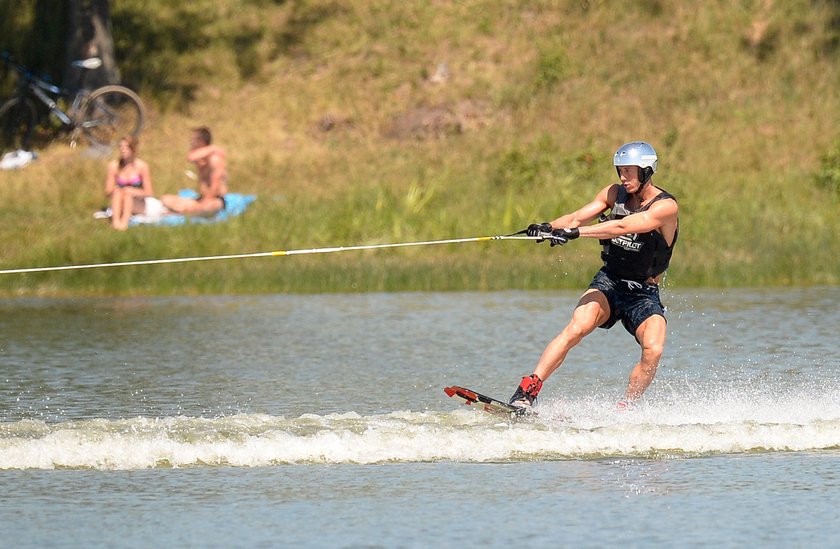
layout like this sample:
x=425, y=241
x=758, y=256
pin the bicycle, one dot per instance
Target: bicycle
x=103, y=115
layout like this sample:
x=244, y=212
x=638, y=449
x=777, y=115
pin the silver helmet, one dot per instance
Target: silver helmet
x=637, y=153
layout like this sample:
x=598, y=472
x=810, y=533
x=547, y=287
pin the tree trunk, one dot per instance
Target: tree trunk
x=88, y=34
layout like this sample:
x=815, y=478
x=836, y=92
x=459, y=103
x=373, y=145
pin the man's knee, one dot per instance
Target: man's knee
x=651, y=337
x=576, y=330
x=652, y=351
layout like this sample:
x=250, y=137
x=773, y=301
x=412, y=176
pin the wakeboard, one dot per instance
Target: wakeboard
x=483, y=402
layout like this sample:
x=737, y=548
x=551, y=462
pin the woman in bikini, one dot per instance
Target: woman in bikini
x=128, y=183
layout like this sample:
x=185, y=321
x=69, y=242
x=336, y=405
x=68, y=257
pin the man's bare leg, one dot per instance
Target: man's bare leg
x=591, y=311
x=651, y=335
x=189, y=206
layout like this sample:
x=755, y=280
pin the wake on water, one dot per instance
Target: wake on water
x=684, y=425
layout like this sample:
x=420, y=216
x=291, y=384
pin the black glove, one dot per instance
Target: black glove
x=537, y=229
x=561, y=236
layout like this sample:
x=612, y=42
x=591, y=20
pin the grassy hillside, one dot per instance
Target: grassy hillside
x=386, y=121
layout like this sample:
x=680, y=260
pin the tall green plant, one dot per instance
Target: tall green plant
x=828, y=176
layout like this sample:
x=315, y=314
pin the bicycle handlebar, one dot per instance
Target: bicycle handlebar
x=30, y=76
x=9, y=60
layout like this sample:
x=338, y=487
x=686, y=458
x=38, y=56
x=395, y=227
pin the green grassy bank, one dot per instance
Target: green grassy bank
x=340, y=118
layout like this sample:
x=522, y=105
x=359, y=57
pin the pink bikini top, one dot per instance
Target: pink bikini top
x=136, y=181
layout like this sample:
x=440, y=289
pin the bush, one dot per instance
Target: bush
x=828, y=176
x=552, y=67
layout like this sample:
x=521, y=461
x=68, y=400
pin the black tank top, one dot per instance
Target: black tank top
x=636, y=256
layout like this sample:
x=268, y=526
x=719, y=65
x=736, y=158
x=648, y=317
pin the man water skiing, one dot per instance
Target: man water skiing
x=638, y=236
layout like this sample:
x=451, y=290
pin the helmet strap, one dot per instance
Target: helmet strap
x=644, y=176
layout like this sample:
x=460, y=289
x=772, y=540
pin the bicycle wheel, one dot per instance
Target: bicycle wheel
x=17, y=122
x=110, y=113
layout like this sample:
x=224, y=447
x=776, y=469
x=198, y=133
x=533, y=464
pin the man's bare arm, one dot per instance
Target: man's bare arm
x=589, y=212
x=659, y=215
x=204, y=152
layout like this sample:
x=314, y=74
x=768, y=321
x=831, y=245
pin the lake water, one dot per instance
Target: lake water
x=271, y=421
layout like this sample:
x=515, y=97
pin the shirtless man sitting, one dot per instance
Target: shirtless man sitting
x=210, y=163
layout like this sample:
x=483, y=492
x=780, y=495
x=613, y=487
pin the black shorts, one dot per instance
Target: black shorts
x=630, y=301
